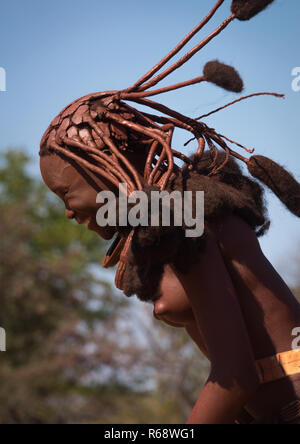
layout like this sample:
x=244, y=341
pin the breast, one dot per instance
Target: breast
x=173, y=305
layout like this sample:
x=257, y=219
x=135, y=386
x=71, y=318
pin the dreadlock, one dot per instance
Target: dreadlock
x=97, y=131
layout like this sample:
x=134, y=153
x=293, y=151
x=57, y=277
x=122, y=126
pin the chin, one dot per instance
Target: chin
x=106, y=233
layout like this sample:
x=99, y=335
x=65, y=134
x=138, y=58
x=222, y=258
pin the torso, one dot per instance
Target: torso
x=271, y=312
x=269, y=309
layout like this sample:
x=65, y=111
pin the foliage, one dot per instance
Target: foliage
x=77, y=352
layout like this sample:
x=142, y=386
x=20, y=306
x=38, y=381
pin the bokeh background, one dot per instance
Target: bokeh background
x=77, y=350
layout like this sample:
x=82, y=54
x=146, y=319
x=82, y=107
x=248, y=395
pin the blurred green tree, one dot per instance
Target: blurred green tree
x=77, y=352
x=53, y=305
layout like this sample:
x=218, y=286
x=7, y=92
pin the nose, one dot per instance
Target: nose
x=70, y=214
x=160, y=309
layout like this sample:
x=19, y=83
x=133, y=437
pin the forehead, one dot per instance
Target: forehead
x=61, y=175
x=54, y=171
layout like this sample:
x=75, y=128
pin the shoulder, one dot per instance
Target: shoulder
x=234, y=236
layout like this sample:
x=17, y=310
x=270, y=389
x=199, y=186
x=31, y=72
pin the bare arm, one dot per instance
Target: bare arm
x=233, y=378
x=193, y=331
x=271, y=309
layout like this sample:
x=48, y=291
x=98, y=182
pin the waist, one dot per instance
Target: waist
x=278, y=366
x=289, y=414
x=278, y=396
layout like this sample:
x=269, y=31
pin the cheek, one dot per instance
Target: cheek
x=83, y=200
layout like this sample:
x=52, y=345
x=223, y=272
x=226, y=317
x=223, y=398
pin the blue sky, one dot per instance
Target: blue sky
x=54, y=52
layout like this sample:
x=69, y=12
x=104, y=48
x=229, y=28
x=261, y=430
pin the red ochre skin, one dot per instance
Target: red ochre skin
x=232, y=303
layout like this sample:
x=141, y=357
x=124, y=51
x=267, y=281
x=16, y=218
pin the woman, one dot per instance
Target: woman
x=220, y=287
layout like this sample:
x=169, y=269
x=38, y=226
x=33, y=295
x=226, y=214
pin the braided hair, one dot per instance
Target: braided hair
x=99, y=130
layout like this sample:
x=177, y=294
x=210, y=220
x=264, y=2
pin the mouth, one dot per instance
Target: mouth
x=86, y=222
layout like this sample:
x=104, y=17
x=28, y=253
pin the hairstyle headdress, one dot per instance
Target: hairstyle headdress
x=98, y=129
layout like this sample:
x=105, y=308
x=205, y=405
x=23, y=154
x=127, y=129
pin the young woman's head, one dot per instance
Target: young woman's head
x=99, y=142
x=71, y=169
x=76, y=164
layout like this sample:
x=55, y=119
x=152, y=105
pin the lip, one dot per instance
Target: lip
x=86, y=222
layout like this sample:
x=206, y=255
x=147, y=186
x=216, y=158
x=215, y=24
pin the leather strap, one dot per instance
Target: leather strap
x=278, y=366
x=118, y=254
x=119, y=279
x=113, y=255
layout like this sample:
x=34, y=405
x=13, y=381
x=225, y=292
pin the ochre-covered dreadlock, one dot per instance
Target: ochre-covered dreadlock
x=98, y=130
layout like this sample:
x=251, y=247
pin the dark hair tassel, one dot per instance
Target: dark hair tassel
x=224, y=76
x=247, y=9
x=280, y=181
